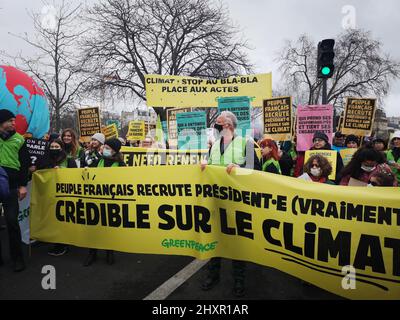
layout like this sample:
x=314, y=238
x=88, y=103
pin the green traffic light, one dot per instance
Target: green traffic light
x=325, y=71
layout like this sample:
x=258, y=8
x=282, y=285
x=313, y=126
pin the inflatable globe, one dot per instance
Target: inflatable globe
x=20, y=94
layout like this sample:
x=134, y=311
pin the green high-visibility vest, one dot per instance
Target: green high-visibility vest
x=390, y=157
x=234, y=153
x=101, y=164
x=274, y=162
x=9, y=151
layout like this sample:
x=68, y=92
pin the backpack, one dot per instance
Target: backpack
x=4, y=186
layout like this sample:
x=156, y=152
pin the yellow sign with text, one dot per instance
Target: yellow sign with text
x=178, y=91
x=136, y=131
x=111, y=131
x=312, y=231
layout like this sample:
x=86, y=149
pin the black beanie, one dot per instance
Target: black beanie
x=114, y=144
x=321, y=135
x=352, y=137
x=5, y=115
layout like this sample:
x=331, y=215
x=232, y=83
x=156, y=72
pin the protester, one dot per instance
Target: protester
x=338, y=141
x=270, y=156
x=382, y=177
x=15, y=160
x=147, y=142
x=317, y=169
x=320, y=142
x=230, y=151
x=111, y=158
x=362, y=165
x=288, y=157
x=379, y=144
x=352, y=142
x=58, y=159
x=393, y=155
x=72, y=146
x=92, y=155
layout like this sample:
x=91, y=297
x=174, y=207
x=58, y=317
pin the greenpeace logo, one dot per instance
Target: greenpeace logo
x=189, y=244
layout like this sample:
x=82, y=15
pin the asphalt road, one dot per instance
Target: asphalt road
x=135, y=276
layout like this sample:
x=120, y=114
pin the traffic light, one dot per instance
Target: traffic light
x=325, y=66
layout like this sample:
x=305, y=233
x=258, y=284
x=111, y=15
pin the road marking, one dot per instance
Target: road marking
x=169, y=286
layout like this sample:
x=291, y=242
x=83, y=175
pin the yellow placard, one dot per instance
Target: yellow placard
x=309, y=230
x=177, y=91
x=331, y=155
x=111, y=131
x=136, y=131
x=347, y=154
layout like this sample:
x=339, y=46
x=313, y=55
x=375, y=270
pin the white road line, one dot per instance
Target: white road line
x=169, y=286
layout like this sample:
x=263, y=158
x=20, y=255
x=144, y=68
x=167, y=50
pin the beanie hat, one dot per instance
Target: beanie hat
x=114, y=144
x=352, y=138
x=320, y=135
x=395, y=135
x=99, y=137
x=5, y=115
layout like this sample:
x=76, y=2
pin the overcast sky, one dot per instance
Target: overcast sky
x=265, y=23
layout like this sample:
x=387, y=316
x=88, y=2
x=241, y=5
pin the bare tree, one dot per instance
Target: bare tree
x=132, y=38
x=361, y=69
x=57, y=64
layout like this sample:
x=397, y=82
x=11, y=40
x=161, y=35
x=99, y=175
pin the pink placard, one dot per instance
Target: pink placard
x=311, y=119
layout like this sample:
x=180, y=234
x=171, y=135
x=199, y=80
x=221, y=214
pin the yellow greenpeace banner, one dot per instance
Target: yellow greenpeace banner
x=177, y=91
x=306, y=229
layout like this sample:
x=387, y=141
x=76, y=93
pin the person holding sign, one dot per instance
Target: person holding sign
x=15, y=161
x=57, y=159
x=317, y=169
x=230, y=151
x=112, y=157
x=92, y=156
x=361, y=166
x=382, y=177
x=320, y=142
x=270, y=156
x=393, y=155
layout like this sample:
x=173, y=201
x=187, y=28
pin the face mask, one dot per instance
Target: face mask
x=54, y=153
x=367, y=169
x=316, y=172
x=107, y=153
x=218, y=127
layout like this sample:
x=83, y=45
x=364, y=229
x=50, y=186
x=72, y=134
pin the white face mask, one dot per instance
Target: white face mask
x=367, y=169
x=107, y=153
x=316, y=172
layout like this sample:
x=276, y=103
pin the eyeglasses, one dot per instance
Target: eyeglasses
x=315, y=166
x=318, y=140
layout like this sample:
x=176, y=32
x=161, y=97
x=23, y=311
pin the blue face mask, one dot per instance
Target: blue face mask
x=107, y=153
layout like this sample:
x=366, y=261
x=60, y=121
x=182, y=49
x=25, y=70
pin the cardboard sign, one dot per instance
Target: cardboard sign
x=136, y=131
x=172, y=128
x=277, y=114
x=347, y=155
x=240, y=107
x=359, y=116
x=89, y=122
x=111, y=131
x=37, y=149
x=191, y=128
x=311, y=119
